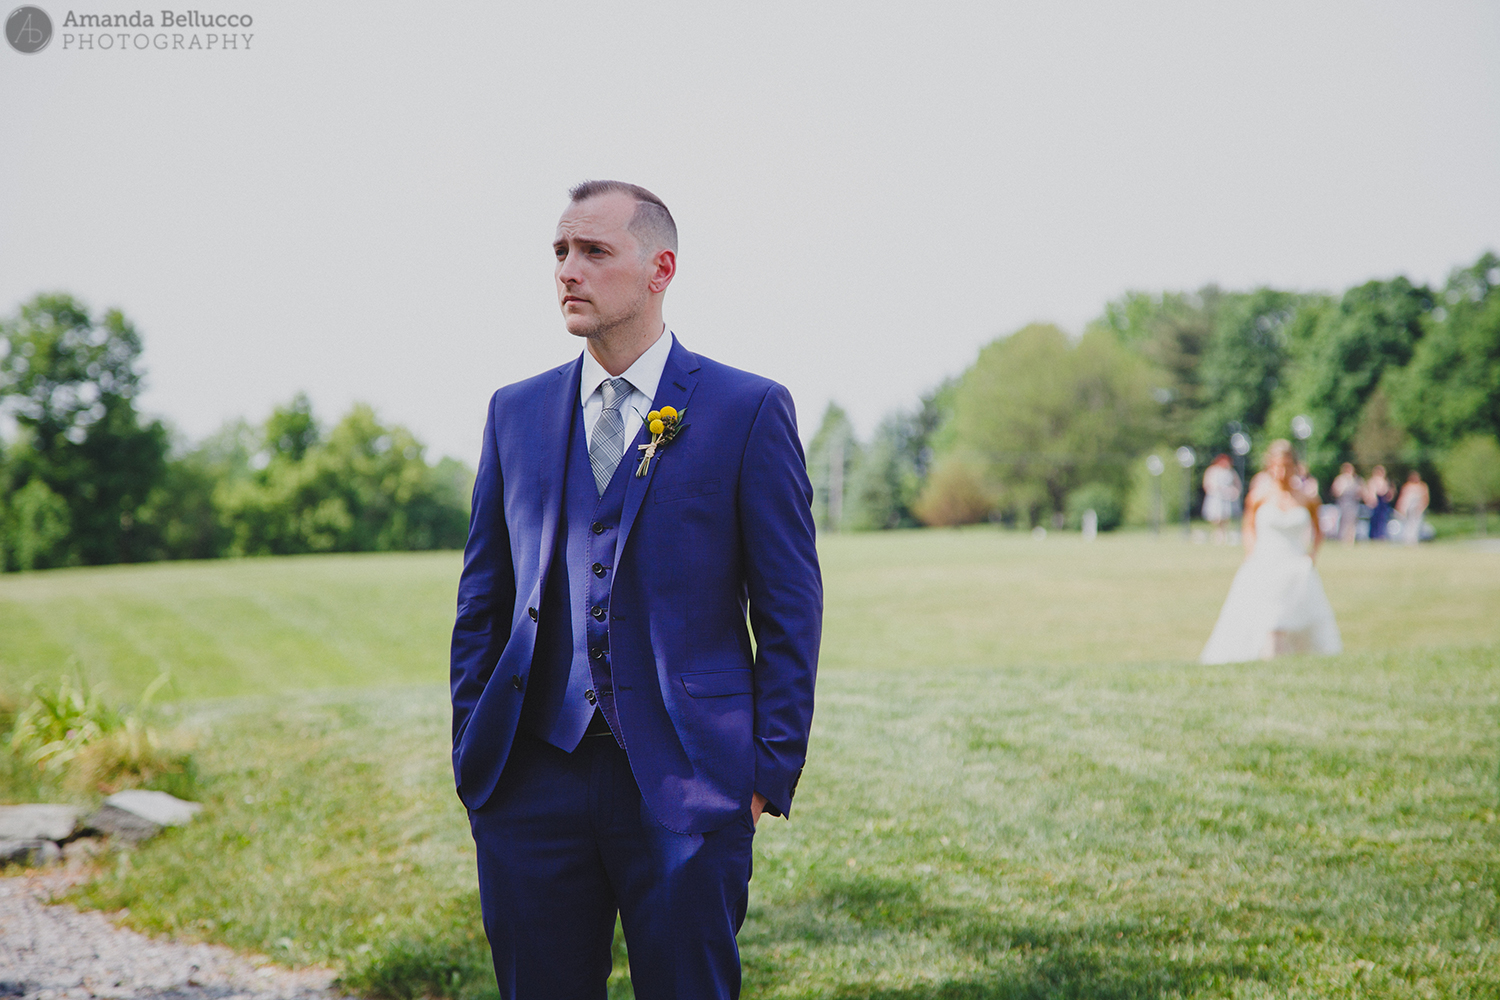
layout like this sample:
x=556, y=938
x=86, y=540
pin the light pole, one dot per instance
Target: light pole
x=1187, y=459
x=836, y=483
x=1155, y=467
x=1302, y=429
x=1239, y=443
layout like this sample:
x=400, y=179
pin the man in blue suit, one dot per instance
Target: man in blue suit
x=616, y=735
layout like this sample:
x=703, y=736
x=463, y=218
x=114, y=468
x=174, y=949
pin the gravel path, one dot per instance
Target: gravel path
x=57, y=953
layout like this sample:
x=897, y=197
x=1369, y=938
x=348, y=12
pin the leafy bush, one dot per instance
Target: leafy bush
x=133, y=756
x=74, y=737
x=956, y=493
x=1102, y=499
x=52, y=730
x=1471, y=472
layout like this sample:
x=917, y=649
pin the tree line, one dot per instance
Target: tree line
x=86, y=480
x=1043, y=426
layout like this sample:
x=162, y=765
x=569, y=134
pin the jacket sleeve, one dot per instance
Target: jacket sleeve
x=785, y=588
x=486, y=587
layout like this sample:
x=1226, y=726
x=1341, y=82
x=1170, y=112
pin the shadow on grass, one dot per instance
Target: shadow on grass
x=452, y=963
x=1101, y=960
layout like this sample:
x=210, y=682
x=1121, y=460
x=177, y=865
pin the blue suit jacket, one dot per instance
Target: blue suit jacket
x=721, y=524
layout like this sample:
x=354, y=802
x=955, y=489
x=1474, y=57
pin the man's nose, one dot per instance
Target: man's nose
x=567, y=270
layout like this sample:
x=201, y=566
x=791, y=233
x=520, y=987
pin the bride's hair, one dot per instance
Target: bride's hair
x=1277, y=448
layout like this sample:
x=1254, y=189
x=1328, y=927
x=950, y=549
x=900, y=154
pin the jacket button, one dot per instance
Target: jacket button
x=515, y=682
x=598, y=652
x=532, y=613
x=598, y=528
x=599, y=569
x=590, y=696
x=598, y=613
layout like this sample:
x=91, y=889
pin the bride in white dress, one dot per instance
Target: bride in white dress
x=1276, y=604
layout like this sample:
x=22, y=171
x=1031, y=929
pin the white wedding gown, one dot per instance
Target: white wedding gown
x=1276, y=590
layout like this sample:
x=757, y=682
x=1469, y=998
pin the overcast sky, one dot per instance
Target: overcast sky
x=361, y=205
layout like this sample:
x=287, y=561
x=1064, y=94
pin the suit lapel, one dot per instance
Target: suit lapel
x=674, y=390
x=554, y=427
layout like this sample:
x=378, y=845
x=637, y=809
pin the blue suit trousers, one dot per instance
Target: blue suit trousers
x=565, y=843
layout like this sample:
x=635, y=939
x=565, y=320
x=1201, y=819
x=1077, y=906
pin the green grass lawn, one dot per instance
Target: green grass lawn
x=1019, y=784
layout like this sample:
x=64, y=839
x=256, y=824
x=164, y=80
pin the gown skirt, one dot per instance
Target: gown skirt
x=1276, y=590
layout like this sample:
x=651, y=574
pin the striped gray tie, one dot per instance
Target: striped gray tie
x=608, y=444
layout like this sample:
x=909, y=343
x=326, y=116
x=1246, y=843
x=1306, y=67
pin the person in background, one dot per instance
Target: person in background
x=1378, y=495
x=1306, y=482
x=1221, y=488
x=1347, y=488
x=1411, y=505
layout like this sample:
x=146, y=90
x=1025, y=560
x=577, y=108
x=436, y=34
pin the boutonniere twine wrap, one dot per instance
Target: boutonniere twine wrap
x=664, y=425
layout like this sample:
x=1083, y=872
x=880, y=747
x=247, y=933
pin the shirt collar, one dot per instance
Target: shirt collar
x=644, y=376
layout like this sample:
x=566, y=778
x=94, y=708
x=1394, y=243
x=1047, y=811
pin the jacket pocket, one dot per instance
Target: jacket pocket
x=667, y=492
x=719, y=683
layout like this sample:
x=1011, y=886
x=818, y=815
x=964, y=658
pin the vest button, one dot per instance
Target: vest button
x=597, y=652
x=590, y=696
x=599, y=569
x=598, y=613
x=515, y=682
x=598, y=528
x=532, y=613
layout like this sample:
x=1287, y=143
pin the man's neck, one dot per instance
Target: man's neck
x=616, y=354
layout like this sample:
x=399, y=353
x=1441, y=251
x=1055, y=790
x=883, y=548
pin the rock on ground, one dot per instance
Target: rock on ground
x=37, y=822
x=57, y=953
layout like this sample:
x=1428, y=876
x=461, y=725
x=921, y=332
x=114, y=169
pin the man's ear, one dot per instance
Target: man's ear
x=665, y=263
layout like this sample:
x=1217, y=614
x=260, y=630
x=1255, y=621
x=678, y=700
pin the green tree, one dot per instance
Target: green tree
x=39, y=525
x=1145, y=491
x=891, y=471
x=1045, y=415
x=833, y=456
x=1338, y=354
x=70, y=383
x=1378, y=438
x=366, y=488
x=1242, y=364
x=292, y=431
x=1172, y=331
x=1451, y=388
x=180, y=518
x=884, y=484
x=1471, y=474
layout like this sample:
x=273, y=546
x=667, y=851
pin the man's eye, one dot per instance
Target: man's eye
x=596, y=250
x=560, y=251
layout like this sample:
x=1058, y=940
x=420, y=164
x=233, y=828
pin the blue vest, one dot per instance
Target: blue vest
x=570, y=676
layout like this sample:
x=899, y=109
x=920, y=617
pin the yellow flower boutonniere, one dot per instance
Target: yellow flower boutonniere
x=664, y=425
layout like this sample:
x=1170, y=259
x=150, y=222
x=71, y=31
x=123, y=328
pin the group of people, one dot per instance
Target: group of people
x=1390, y=513
x=1379, y=496
x=1276, y=603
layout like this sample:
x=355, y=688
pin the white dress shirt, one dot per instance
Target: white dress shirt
x=643, y=376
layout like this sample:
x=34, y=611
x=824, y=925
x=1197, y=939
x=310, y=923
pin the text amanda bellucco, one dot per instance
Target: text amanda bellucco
x=92, y=32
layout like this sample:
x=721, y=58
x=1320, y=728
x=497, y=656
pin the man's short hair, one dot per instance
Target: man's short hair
x=651, y=224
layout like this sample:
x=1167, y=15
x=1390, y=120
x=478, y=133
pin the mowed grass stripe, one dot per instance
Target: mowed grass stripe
x=988, y=598
x=894, y=601
x=240, y=627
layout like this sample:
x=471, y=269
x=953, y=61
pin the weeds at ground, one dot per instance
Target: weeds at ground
x=72, y=740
